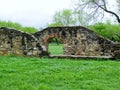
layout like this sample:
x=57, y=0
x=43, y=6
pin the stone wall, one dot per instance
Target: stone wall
x=19, y=43
x=76, y=40
x=79, y=40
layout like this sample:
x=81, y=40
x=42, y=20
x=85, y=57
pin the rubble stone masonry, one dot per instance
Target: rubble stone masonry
x=77, y=40
x=17, y=42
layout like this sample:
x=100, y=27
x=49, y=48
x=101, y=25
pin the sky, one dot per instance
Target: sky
x=34, y=13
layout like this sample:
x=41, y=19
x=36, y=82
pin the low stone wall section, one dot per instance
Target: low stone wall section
x=19, y=43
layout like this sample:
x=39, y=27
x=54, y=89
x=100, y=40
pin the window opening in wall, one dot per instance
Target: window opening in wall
x=55, y=46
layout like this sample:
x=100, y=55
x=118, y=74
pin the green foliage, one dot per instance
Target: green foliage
x=107, y=30
x=17, y=26
x=29, y=29
x=68, y=17
x=25, y=73
x=63, y=18
x=10, y=24
x=82, y=18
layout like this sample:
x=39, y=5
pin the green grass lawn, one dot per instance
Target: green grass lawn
x=25, y=73
x=55, y=49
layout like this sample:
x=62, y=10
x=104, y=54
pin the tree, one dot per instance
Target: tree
x=118, y=1
x=70, y=17
x=10, y=24
x=81, y=17
x=98, y=8
x=17, y=26
x=63, y=18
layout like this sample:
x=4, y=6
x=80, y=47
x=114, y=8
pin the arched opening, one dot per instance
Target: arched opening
x=55, y=46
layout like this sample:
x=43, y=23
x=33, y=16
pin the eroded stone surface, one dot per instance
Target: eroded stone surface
x=76, y=40
x=19, y=43
x=79, y=40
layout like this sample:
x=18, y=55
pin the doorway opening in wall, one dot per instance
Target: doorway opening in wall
x=55, y=46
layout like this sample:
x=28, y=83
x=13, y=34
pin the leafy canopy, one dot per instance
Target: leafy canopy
x=17, y=26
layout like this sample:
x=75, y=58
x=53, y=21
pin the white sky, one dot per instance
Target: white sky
x=36, y=13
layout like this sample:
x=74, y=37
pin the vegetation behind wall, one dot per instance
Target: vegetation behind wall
x=107, y=30
x=17, y=26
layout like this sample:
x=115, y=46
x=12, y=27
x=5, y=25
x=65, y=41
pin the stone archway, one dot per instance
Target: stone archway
x=52, y=45
x=55, y=46
x=77, y=40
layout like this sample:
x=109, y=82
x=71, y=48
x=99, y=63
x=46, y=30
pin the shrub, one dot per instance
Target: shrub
x=17, y=26
x=107, y=30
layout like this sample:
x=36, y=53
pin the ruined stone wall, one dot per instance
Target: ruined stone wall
x=17, y=42
x=78, y=40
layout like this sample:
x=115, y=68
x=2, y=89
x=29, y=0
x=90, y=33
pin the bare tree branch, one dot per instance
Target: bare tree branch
x=97, y=7
x=111, y=12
